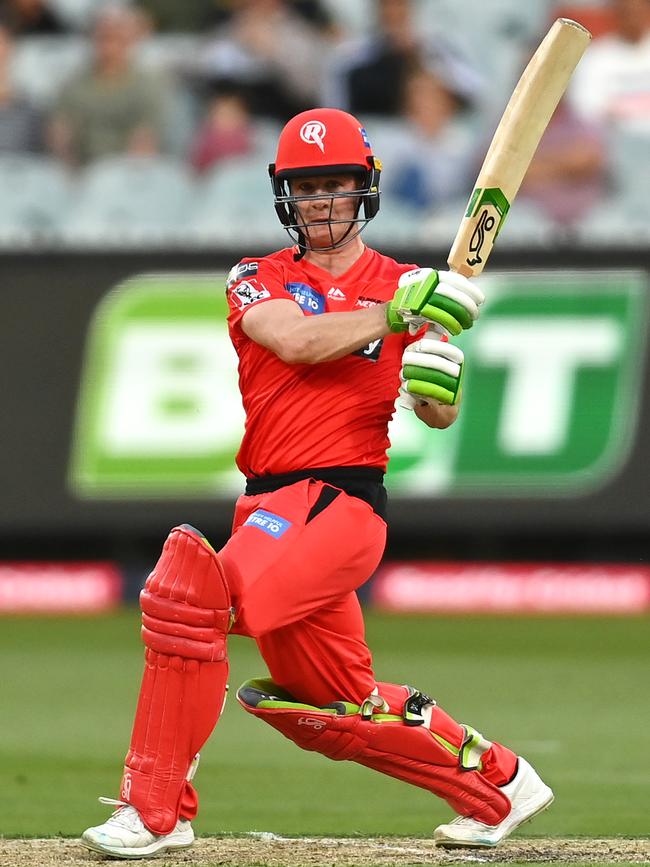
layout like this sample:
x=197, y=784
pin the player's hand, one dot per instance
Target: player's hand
x=432, y=371
x=427, y=297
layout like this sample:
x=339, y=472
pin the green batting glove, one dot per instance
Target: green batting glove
x=432, y=371
x=428, y=297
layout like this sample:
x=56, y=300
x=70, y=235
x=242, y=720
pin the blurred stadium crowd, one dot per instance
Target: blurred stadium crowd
x=153, y=121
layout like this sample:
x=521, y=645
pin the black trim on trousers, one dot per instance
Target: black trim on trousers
x=366, y=483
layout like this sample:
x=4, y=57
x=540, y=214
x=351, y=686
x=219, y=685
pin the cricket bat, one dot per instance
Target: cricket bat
x=515, y=141
x=529, y=110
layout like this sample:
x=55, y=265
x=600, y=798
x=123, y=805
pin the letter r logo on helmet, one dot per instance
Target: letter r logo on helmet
x=313, y=132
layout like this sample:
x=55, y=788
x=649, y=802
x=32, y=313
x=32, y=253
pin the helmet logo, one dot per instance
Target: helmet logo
x=313, y=132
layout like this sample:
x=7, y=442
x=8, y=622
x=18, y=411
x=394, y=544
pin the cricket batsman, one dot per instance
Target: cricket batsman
x=326, y=331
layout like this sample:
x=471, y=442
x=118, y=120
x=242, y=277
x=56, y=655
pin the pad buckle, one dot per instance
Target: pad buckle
x=472, y=748
x=194, y=764
x=414, y=707
x=371, y=704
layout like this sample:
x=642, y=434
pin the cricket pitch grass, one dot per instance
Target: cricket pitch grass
x=569, y=694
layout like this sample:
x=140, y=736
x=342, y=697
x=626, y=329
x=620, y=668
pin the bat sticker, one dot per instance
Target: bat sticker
x=485, y=224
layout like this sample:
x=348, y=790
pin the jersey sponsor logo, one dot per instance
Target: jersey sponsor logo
x=248, y=292
x=367, y=302
x=240, y=272
x=306, y=297
x=272, y=525
x=372, y=351
x=336, y=293
x=313, y=132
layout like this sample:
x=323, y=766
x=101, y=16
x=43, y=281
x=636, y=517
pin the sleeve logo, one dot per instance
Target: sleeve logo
x=241, y=271
x=248, y=292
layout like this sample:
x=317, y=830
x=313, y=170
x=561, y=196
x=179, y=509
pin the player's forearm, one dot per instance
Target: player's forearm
x=315, y=339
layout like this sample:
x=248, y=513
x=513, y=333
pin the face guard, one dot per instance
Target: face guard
x=317, y=143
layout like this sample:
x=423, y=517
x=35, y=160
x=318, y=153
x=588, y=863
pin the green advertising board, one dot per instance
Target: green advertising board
x=550, y=405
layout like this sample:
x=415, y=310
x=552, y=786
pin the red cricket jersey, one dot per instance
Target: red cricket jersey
x=303, y=416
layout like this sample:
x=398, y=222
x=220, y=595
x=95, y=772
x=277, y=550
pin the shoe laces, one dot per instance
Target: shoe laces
x=467, y=822
x=125, y=816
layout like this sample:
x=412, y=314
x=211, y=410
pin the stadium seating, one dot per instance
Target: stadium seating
x=131, y=199
x=42, y=64
x=235, y=203
x=167, y=51
x=35, y=192
x=526, y=225
x=77, y=13
x=628, y=156
x=124, y=198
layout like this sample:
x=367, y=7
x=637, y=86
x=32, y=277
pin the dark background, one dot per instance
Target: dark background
x=47, y=301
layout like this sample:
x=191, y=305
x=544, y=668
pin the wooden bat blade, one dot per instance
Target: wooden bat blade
x=515, y=141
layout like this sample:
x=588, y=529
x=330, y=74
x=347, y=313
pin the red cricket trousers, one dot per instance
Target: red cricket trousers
x=293, y=562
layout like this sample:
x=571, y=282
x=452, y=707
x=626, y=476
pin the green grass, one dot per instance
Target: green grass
x=572, y=695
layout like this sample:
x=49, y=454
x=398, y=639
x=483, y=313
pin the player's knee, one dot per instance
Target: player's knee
x=186, y=601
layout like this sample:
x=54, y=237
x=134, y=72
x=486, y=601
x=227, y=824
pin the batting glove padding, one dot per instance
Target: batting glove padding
x=425, y=296
x=433, y=370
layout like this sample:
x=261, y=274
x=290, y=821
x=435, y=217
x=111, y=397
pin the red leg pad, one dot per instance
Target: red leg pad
x=186, y=616
x=383, y=742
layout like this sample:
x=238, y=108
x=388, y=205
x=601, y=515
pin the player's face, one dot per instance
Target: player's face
x=320, y=214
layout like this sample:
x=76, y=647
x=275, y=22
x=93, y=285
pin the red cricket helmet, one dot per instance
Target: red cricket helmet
x=318, y=142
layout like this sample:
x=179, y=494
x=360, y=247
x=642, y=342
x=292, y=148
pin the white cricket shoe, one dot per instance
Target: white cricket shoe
x=125, y=836
x=529, y=796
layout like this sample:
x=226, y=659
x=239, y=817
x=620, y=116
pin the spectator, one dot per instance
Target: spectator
x=187, y=16
x=273, y=52
x=21, y=124
x=194, y=16
x=368, y=76
x=227, y=130
x=113, y=107
x=431, y=162
x=612, y=82
x=32, y=18
x=568, y=174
